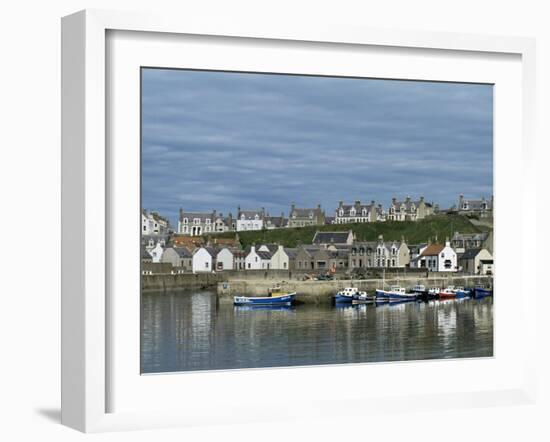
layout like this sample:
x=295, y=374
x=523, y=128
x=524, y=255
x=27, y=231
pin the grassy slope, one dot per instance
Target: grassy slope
x=441, y=226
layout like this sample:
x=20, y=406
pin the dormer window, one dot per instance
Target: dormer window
x=341, y=212
x=207, y=221
x=364, y=212
x=185, y=220
x=196, y=220
x=243, y=217
x=256, y=217
x=352, y=212
x=465, y=206
x=310, y=215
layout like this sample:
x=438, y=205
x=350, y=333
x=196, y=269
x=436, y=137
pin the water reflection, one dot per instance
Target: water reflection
x=193, y=331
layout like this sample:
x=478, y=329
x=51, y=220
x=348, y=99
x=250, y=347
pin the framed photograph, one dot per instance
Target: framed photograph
x=256, y=211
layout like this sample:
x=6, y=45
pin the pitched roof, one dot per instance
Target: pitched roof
x=433, y=249
x=470, y=253
x=331, y=237
x=201, y=215
x=183, y=252
x=264, y=255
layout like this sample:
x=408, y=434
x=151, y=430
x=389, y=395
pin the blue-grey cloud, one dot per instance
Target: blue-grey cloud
x=219, y=140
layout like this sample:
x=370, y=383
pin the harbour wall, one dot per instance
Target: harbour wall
x=320, y=292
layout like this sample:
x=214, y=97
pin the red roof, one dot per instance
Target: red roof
x=433, y=249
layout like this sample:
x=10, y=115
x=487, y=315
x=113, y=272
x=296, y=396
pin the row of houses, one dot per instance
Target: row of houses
x=329, y=251
x=408, y=209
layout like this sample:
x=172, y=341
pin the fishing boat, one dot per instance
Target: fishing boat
x=274, y=300
x=394, y=293
x=447, y=293
x=423, y=293
x=348, y=295
x=482, y=292
x=363, y=298
x=461, y=292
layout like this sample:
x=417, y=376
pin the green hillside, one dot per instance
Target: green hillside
x=440, y=226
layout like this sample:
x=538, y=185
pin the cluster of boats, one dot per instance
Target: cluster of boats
x=418, y=292
x=278, y=297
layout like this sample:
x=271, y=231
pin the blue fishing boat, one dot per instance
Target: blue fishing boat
x=274, y=300
x=395, y=293
x=461, y=292
x=481, y=292
x=348, y=295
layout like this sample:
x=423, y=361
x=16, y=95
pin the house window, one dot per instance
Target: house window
x=185, y=220
x=284, y=265
x=206, y=264
x=207, y=221
x=447, y=264
x=341, y=213
x=248, y=265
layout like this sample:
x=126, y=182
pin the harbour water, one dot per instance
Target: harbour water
x=188, y=331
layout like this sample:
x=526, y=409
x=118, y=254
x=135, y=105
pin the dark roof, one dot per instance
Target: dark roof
x=264, y=255
x=183, y=252
x=291, y=252
x=201, y=215
x=470, y=253
x=331, y=237
x=277, y=221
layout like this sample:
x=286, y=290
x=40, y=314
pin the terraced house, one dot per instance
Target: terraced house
x=298, y=217
x=379, y=253
x=409, y=210
x=359, y=213
x=482, y=208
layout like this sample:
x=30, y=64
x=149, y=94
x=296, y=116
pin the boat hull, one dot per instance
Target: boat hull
x=386, y=295
x=340, y=299
x=482, y=293
x=279, y=300
x=447, y=295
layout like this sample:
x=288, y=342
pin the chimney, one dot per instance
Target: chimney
x=421, y=199
x=340, y=204
x=447, y=242
x=372, y=203
x=408, y=199
x=292, y=207
x=181, y=213
x=394, y=201
x=357, y=202
x=319, y=207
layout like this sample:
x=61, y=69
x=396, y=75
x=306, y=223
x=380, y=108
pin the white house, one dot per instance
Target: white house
x=224, y=259
x=258, y=260
x=202, y=260
x=279, y=259
x=438, y=258
x=156, y=252
x=250, y=219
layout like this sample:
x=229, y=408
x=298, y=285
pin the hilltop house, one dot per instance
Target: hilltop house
x=178, y=257
x=344, y=238
x=275, y=222
x=258, y=259
x=481, y=208
x=153, y=224
x=305, y=217
x=471, y=261
x=250, y=219
x=203, y=259
x=437, y=258
x=359, y=213
x=196, y=223
x=409, y=210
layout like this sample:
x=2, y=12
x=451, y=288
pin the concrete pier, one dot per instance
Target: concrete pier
x=318, y=292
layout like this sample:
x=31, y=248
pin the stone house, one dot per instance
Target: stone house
x=471, y=260
x=337, y=239
x=203, y=259
x=250, y=219
x=239, y=259
x=359, y=213
x=178, y=257
x=365, y=254
x=304, y=258
x=409, y=210
x=275, y=222
x=145, y=256
x=196, y=223
x=482, y=208
x=461, y=242
x=437, y=258
x=298, y=217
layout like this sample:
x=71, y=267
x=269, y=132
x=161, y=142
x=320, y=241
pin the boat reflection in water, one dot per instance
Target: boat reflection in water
x=189, y=331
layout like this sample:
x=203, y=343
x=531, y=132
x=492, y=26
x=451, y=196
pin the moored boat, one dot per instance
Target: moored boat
x=274, y=300
x=395, y=293
x=423, y=293
x=481, y=292
x=461, y=292
x=348, y=295
x=447, y=293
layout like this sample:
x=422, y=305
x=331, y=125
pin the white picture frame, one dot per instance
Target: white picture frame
x=89, y=318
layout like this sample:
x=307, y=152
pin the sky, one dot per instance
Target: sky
x=217, y=140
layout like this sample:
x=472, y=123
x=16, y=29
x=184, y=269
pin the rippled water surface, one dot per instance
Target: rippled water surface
x=192, y=331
